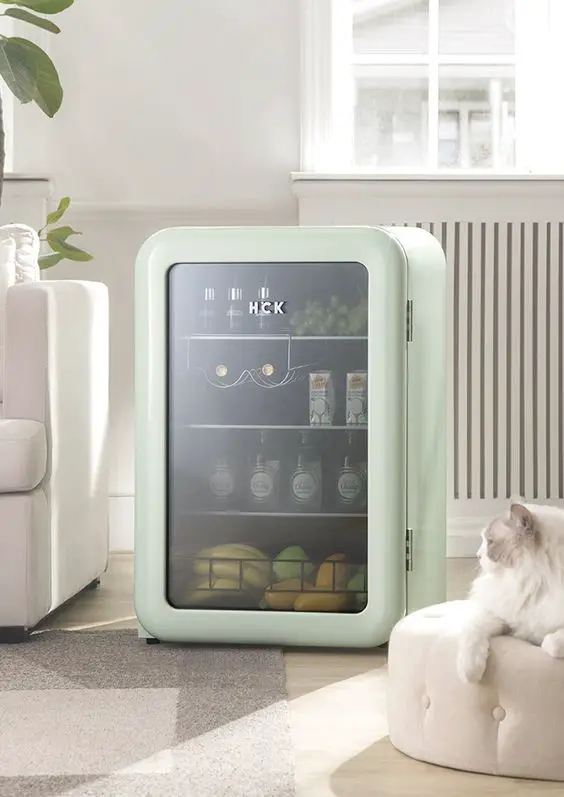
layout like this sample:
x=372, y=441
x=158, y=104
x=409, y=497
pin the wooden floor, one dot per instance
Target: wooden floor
x=337, y=705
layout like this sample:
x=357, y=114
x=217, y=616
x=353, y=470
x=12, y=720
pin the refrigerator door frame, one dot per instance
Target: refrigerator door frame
x=426, y=417
x=384, y=257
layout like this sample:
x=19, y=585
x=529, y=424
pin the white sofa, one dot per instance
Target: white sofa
x=53, y=449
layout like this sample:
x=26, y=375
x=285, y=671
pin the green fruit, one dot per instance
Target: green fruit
x=285, y=570
x=356, y=583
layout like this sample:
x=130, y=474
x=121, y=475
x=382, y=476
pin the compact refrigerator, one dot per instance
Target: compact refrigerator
x=290, y=433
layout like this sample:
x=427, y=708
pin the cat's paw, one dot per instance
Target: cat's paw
x=471, y=664
x=553, y=644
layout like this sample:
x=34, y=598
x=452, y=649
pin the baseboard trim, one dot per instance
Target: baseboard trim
x=122, y=513
x=463, y=538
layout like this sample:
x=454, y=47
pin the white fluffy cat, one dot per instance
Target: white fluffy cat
x=520, y=589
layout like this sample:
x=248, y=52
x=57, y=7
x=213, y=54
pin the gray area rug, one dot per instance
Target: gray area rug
x=104, y=715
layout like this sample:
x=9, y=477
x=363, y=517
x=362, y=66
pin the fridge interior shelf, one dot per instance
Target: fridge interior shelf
x=271, y=427
x=283, y=338
x=301, y=354
x=236, y=513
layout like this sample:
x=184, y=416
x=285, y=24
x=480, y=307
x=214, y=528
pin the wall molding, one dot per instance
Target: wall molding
x=185, y=215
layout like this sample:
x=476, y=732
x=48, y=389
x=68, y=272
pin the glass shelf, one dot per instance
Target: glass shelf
x=284, y=338
x=301, y=515
x=268, y=427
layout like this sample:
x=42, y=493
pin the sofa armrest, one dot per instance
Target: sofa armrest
x=23, y=455
x=56, y=373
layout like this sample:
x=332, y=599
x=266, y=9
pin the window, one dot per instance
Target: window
x=433, y=86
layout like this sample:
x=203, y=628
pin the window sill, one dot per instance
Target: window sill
x=20, y=177
x=425, y=187
x=25, y=199
x=363, y=177
x=326, y=199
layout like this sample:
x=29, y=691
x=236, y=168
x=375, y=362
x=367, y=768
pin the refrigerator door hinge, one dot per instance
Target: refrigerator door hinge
x=409, y=550
x=409, y=320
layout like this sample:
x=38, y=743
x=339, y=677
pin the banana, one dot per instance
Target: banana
x=205, y=592
x=333, y=576
x=252, y=566
x=234, y=549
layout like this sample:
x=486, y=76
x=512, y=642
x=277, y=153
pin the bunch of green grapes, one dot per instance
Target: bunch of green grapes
x=336, y=318
x=310, y=320
x=358, y=320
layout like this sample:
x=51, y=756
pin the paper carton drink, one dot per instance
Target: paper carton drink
x=321, y=398
x=356, y=412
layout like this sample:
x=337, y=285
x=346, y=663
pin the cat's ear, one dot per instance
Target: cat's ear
x=522, y=517
x=516, y=499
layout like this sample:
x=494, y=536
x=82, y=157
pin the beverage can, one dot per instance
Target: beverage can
x=321, y=398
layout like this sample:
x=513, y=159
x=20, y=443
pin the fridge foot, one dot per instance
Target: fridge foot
x=93, y=584
x=150, y=640
x=12, y=634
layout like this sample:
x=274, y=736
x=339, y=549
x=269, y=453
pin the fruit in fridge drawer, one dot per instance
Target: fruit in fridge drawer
x=288, y=564
x=357, y=583
x=319, y=600
x=282, y=596
x=216, y=589
x=358, y=318
x=247, y=565
x=333, y=573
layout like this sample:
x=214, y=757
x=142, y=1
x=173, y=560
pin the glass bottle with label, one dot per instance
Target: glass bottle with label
x=207, y=316
x=235, y=313
x=264, y=318
x=221, y=482
x=263, y=484
x=305, y=479
x=350, y=493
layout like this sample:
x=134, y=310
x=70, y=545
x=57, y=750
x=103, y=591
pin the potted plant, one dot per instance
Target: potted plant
x=31, y=76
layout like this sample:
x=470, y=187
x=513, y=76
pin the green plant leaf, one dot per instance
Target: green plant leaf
x=41, y=6
x=60, y=234
x=58, y=214
x=46, y=261
x=68, y=250
x=23, y=54
x=27, y=16
x=20, y=75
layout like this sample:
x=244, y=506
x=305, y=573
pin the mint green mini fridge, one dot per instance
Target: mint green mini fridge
x=290, y=433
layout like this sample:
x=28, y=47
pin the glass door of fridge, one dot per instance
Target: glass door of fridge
x=267, y=437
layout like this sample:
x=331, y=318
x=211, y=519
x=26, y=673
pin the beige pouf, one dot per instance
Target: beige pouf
x=511, y=723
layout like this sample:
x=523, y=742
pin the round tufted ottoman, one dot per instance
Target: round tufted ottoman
x=511, y=723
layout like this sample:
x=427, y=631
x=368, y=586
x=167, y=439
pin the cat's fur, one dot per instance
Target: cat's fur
x=520, y=589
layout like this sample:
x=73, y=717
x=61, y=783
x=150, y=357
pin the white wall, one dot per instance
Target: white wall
x=186, y=112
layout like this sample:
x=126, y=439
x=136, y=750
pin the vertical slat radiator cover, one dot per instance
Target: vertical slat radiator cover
x=505, y=339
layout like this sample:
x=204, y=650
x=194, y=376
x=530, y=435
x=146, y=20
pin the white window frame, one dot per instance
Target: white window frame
x=327, y=94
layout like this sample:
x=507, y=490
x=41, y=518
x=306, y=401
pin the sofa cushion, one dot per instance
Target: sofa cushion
x=23, y=455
